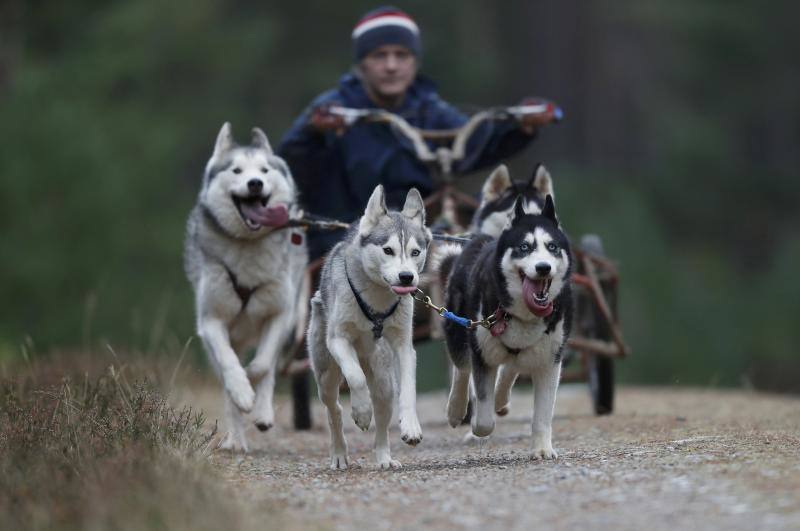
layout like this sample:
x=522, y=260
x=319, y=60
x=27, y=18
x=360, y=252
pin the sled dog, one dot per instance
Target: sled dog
x=522, y=278
x=247, y=274
x=360, y=327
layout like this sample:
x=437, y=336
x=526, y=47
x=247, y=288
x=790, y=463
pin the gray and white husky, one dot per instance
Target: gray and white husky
x=522, y=278
x=247, y=276
x=361, y=320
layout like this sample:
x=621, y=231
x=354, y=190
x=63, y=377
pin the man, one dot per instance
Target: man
x=338, y=169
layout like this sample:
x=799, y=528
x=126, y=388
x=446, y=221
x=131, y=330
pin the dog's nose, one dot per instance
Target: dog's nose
x=542, y=268
x=255, y=186
x=406, y=278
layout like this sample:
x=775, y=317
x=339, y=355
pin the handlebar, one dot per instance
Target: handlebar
x=340, y=118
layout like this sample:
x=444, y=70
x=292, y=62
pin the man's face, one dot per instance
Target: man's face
x=389, y=70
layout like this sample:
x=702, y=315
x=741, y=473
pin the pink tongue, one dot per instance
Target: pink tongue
x=529, y=289
x=404, y=290
x=272, y=216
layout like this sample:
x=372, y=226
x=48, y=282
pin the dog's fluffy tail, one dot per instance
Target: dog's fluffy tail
x=443, y=259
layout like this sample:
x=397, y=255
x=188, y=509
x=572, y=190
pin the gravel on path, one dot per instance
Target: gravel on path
x=666, y=459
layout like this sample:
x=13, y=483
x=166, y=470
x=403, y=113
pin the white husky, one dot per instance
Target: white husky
x=361, y=321
x=246, y=275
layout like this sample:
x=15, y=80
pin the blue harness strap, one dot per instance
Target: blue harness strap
x=462, y=321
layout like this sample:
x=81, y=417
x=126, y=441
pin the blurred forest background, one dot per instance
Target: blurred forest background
x=680, y=147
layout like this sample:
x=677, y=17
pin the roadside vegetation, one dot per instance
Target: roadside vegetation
x=100, y=447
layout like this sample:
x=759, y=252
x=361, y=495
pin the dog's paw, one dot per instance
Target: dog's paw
x=264, y=417
x=339, y=461
x=362, y=415
x=233, y=443
x=239, y=389
x=385, y=461
x=502, y=411
x=410, y=430
x=263, y=425
x=544, y=452
x=482, y=428
x=471, y=440
x=389, y=464
x=456, y=411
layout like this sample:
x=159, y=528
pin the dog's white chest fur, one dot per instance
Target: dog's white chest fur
x=269, y=270
x=537, y=346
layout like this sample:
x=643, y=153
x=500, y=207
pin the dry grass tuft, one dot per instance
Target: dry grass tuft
x=102, y=453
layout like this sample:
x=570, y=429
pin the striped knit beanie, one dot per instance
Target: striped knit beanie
x=385, y=25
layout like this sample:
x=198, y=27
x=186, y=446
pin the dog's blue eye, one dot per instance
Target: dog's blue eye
x=237, y=170
x=264, y=170
x=415, y=252
x=524, y=247
x=388, y=250
x=552, y=247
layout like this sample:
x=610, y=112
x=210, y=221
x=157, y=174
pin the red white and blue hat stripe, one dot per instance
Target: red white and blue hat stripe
x=390, y=18
x=386, y=25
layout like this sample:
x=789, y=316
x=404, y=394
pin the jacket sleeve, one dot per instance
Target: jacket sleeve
x=306, y=150
x=490, y=144
x=315, y=160
x=317, y=166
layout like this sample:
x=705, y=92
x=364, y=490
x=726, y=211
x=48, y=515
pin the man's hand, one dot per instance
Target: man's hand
x=323, y=120
x=530, y=122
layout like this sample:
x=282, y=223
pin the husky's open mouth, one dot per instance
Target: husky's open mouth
x=256, y=214
x=536, y=294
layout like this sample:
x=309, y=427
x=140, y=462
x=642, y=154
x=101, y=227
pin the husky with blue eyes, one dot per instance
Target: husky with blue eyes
x=522, y=278
x=361, y=319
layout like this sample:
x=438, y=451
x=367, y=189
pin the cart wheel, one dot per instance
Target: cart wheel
x=301, y=402
x=600, y=368
x=601, y=383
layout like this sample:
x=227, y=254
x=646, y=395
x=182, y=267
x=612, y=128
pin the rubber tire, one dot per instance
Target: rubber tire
x=600, y=368
x=301, y=400
x=601, y=384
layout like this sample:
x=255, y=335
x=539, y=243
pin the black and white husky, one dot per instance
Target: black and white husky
x=361, y=320
x=246, y=275
x=522, y=278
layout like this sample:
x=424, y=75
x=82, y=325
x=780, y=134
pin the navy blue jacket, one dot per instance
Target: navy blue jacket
x=336, y=175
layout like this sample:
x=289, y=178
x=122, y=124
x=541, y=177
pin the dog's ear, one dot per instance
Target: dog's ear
x=259, y=140
x=542, y=182
x=497, y=183
x=280, y=165
x=225, y=140
x=549, y=210
x=414, y=206
x=376, y=209
x=518, y=211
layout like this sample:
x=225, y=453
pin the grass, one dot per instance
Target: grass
x=90, y=448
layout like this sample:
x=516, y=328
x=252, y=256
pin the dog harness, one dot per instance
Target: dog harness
x=243, y=292
x=501, y=319
x=376, y=318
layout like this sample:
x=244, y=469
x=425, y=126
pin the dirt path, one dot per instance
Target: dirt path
x=667, y=459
